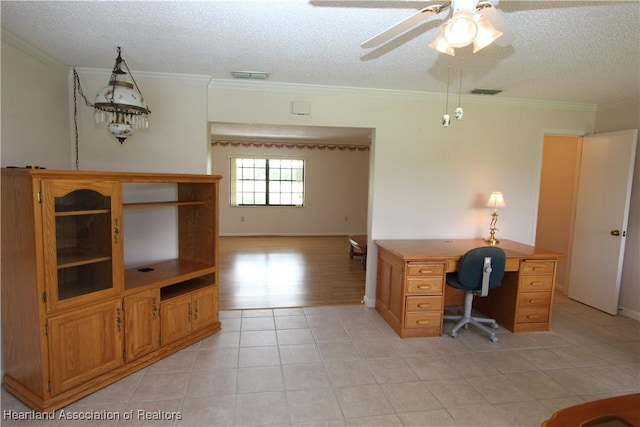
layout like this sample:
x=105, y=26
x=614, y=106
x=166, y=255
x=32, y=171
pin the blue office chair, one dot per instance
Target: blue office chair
x=480, y=270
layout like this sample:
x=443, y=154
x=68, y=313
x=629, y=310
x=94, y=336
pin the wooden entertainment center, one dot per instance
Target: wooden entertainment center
x=75, y=316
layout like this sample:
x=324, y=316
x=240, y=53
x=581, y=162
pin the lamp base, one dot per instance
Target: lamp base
x=492, y=241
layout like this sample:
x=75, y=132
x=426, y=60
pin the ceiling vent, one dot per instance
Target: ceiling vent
x=485, y=91
x=255, y=75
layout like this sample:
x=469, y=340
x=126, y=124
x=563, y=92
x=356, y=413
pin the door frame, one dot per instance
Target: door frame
x=579, y=133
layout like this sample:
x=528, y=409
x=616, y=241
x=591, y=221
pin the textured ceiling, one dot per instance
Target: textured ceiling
x=568, y=51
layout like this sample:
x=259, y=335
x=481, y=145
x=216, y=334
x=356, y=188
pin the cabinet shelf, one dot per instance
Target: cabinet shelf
x=161, y=204
x=79, y=260
x=82, y=212
x=165, y=273
x=186, y=287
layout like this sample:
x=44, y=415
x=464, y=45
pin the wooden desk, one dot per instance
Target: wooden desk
x=411, y=291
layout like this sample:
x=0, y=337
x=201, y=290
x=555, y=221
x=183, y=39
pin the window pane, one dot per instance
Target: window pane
x=247, y=173
x=267, y=181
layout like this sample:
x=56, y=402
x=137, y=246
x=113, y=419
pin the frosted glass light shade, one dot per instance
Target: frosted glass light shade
x=461, y=29
x=440, y=44
x=487, y=33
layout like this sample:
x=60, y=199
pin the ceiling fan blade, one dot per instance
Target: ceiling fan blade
x=495, y=17
x=401, y=27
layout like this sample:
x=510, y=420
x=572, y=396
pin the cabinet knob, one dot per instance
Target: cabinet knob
x=615, y=232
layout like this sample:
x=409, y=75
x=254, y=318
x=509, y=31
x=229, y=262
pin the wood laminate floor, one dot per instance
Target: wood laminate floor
x=288, y=271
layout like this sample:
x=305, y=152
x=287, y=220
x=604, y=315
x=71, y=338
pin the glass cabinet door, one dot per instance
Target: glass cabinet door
x=82, y=241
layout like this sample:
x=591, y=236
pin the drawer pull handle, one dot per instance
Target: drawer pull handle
x=536, y=283
x=533, y=316
x=425, y=270
x=424, y=286
x=423, y=322
x=539, y=267
x=423, y=305
x=535, y=301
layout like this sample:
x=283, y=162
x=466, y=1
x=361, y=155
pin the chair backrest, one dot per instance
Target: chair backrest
x=472, y=266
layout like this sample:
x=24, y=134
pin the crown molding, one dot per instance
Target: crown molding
x=392, y=94
x=633, y=102
x=31, y=50
x=196, y=79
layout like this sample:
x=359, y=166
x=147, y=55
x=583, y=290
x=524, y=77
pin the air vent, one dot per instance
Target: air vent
x=485, y=91
x=255, y=75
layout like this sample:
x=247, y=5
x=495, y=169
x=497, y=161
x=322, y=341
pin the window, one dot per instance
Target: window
x=267, y=182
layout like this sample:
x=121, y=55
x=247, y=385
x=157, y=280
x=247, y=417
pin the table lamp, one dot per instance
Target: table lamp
x=496, y=200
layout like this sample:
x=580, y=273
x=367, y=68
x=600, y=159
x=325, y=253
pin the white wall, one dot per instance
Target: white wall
x=336, y=187
x=35, y=102
x=620, y=117
x=177, y=138
x=427, y=181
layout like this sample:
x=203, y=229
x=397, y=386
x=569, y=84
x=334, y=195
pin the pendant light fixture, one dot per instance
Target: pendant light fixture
x=120, y=104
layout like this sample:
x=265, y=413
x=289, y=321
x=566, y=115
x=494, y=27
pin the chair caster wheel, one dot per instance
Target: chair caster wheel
x=494, y=339
x=495, y=326
x=453, y=335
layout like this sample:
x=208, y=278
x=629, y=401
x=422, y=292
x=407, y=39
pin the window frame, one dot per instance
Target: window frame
x=233, y=193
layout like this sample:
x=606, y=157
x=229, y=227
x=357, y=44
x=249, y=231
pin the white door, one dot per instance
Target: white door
x=604, y=192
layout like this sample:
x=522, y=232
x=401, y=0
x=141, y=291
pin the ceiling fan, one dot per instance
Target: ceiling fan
x=471, y=21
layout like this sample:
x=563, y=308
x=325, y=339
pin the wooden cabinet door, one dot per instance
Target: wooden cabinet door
x=82, y=241
x=205, y=308
x=84, y=344
x=175, y=318
x=142, y=323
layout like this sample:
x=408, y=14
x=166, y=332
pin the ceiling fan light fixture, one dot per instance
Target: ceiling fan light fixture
x=461, y=29
x=440, y=44
x=487, y=33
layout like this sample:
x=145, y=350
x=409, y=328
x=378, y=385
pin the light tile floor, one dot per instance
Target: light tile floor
x=344, y=366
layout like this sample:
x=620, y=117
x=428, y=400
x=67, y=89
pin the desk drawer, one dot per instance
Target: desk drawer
x=537, y=267
x=427, y=285
x=430, y=303
x=532, y=314
x=422, y=269
x=536, y=283
x=427, y=319
x=534, y=299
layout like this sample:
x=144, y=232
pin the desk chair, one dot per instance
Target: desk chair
x=480, y=270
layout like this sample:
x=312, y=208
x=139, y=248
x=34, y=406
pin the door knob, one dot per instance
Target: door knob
x=615, y=232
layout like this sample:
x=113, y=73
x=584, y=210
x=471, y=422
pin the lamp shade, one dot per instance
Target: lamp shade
x=121, y=104
x=496, y=200
x=440, y=44
x=487, y=33
x=461, y=29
